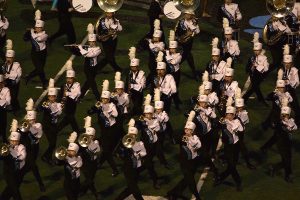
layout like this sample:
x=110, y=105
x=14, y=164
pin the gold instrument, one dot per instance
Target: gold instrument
x=4, y=149
x=185, y=139
x=25, y=126
x=142, y=118
x=186, y=37
x=61, y=153
x=271, y=40
x=98, y=104
x=129, y=140
x=46, y=104
x=111, y=34
x=110, y=5
x=186, y=5
x=222, y=120
x=84, y=140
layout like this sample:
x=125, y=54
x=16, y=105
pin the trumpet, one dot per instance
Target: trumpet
x=46, y=104
x=4, y=149
x=222, y=120
x=84, y=140
x=129, y=140
x=113, y=94
x=25, y=126
x=98, y=104
x=61, y=153
x=185, y=139
x=142, y=118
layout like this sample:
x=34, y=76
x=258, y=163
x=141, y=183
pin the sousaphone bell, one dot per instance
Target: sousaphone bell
x=110, y=5
x=61, y=153
x=186, y=5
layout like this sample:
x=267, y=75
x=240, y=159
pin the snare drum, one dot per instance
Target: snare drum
x=171, y=11
x=82, y=6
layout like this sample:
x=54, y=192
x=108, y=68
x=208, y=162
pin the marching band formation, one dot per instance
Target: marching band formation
x=216, y=122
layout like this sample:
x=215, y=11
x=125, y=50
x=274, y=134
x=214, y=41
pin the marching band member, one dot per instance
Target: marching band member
x=4, y=24
x=66, y=27
x=277, y=98
x=185, y=31
x=155, y=12
x=90, y=54
x=133, y=164
x=155, y=46
x=242, y=115
x=107, y=114
x=149, y=127
x=51, y=111
x=230, y=129
x=72, y=167
x=290, y=75
x=30, y=138
x=5, y=100
x=70, y=92
x=38, y=38
x=164, y=82
x=12, y=72
x=108, y=28
x=230, y=46
x=188, y=156
x=135, y=83
x=231, y=12
x=257, y=67
x=90, y=156
x=284, y=129
x=163, y=119
x=212, y=96
x=216, y=67
x=13, y=165
x=173, y=60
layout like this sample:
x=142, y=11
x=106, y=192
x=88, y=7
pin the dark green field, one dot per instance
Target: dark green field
x=257, y=184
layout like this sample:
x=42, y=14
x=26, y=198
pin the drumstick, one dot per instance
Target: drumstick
x=78, y=6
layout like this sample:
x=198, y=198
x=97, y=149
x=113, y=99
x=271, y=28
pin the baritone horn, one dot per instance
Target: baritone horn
x=61, y=153
x=110, y=5
x=129, y=140
x=84, y=140
x=4, y=150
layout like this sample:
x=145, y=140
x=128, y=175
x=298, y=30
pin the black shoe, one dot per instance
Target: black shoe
x=239, y=188
x=250, y=166
x=47, y=160
x=288, y=179
x=217, y=181
x=272, y=171
x=168, y=166
x=156, y=186
x=170, y=196
x=27, y=79
x=42, y=188
x=115, y=173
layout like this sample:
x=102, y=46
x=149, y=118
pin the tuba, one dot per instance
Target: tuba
x=129, y=140
x=84, y=140
x=4, y=150
x=61, y=153
x=278, y=9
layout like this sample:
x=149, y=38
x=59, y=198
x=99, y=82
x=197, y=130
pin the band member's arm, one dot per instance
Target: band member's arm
x=78, y=163
x=142, y=83
x=42, y=38
x=91, y=53
x=117, y=26
x=173, y=85
x=114, y=111
x=7, y=98
x=19, y=74
x=176, y=60
x=143, y=152
x=238, y=14
x=6, y=24
x=75, y=93
x=294, y=80
x=21, y=154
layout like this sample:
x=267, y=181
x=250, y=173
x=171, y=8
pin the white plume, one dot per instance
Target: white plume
x=38, y=15
x=90, y=28
x=132, y=52
x=9, y=44
x=69, y=65
x=72, y=137
x=280, y=74
x=156, y=94
x=160, y=56
x=286, y=50
x=285, y=102
x=172, y=35
x=201, y=89
x=229, y=101
x=105, y=85
x=51, y=83
x=225, y=23
x=157, y=24
x=87, y=122
x=229, y=62
x=205, y=77
x=29, y=105
x=14, y=126
x=147, y=101
x=238, y=93
x=131, y=123
x=215, y=42
x=191, y=117
x=262, y=52
x=118, y=76
x=255, y=37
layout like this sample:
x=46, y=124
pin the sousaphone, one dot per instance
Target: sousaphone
x=186, y=5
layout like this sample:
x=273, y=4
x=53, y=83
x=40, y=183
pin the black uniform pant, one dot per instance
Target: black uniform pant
x=167, y=102
x=159, y=148
x=14, y=92
x=284, y=145
x=188, y=169
x=3, y=123
x=90, y=73
x=277, y=56
x=71, y=188
x=13, y=182
x=295, y=103
x=65, y=28
x=89, y=171
x=2, y=45
x=231, y=152
x=39, y=60
x=109, y=48
x=177, y=76
x=137, y=101
x=131, y=177
x=255, y=87
x=270, y=142
x=51, y=135
x=149, y=165
x=207, y=145
x=152, y=68
x=243, y=148
x=68, y=119
x=188, y=56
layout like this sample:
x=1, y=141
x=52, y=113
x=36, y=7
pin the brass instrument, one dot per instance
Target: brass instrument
x=61, y=153
x=46, y=104
x=271, y=40
x=129, y=140
x=98, y=104
x=25, y=126
x=186, y=5
x=4, y=149
x=84, y=140
x=186, y=37
x=110, y=5
x=142, y=118
x=185, y=139
x=76, y=45
x=111, y=34
x=222, y=120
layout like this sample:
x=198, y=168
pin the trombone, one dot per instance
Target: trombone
x=129, y=140
x=4, y=149
x=84, y=140
x=61, y=153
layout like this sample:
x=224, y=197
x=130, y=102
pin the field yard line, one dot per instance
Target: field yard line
x=62, y=70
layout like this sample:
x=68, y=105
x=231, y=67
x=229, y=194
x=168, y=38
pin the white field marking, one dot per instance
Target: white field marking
x=40, y=87
x=62, y=70
x=147, y=198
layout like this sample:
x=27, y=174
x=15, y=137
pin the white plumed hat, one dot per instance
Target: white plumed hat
x=90, y=28
x=29, y=105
